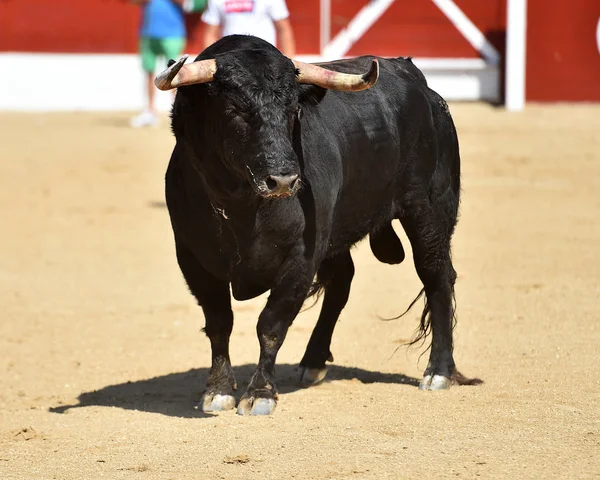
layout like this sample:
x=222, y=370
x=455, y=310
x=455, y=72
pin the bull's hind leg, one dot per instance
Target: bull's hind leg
x=213, y=296
x=429, y=234
x=336, y=276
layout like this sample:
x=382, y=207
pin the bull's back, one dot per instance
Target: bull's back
x=362, y=140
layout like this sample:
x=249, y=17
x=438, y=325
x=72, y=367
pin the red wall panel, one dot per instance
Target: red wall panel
x=195, y=34
x=304, y=15
x=421, y=29
x=105, y=26
x=111, y=26
x=342, y=12
x=563, y=58
x=489, y=17
x=417, y=29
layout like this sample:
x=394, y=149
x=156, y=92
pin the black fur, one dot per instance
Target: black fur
x=364, y=159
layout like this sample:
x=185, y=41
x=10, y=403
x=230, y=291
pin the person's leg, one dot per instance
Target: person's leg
x=172, y=48
x=148, y=53
x=150, y=90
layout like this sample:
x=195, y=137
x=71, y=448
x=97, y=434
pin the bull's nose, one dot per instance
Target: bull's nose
x=281, y=184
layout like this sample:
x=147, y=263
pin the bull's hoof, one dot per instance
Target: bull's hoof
x=217, y=402
x=312, y=376
x=435, y=382
x=256, y=406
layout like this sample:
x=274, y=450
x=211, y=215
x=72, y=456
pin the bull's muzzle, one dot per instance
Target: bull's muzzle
x=278, y=186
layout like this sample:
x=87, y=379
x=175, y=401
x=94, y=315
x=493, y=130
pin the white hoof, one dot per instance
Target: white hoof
x=435, y=382
x=217, y=403
x=258, y=406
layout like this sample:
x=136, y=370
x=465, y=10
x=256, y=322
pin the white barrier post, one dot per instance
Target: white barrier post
x=516, y=43
x=325, y=25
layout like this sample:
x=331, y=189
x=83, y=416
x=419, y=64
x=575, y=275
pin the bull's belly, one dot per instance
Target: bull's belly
x=250, y=277
x=353, y=224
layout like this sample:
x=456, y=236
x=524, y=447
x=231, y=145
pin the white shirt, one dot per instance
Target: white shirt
x=246, y=17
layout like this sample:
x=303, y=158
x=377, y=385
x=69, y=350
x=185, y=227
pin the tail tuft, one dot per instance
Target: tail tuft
x=424, y=329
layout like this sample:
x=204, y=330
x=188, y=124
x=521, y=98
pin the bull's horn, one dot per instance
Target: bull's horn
x=309, y=73
x=179, y=75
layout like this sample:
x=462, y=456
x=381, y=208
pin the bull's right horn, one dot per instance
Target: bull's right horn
x=332, y=80
x=179, y=75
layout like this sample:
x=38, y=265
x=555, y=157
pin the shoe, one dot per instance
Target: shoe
x=144, y=119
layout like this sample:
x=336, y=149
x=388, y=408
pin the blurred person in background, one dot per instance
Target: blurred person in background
x=266, y=19
x=162, y=35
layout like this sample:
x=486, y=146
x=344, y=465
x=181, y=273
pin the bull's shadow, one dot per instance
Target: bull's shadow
x=176, y=394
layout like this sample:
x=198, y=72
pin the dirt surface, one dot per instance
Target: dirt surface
x=102, y=358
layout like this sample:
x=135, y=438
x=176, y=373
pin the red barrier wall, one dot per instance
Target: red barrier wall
x=82, y=26
x=563, y=55
x=563, y=59
x=110, y=26
x=409, y=27
x=420, y=29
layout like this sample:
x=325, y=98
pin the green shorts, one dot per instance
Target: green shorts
x=150, y=48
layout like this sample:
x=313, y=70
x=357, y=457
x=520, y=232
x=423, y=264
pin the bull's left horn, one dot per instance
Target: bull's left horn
x=179, y=75
x=309, y=73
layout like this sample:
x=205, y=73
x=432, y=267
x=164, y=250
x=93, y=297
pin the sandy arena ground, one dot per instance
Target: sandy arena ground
x=102, y=358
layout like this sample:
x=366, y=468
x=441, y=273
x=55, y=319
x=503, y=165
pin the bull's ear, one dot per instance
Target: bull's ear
x=311, y=94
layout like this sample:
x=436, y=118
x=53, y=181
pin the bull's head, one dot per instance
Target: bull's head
x=257, y=94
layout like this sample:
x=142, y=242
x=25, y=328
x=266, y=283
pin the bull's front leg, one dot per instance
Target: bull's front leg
x=213, y=296
x=285, y=301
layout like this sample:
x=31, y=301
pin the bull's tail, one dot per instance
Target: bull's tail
x=424, y=329
x=320, y=282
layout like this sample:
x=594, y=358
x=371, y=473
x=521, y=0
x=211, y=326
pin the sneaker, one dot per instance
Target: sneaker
x=144, y=119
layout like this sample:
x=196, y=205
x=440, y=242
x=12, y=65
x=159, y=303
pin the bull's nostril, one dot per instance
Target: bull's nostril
x=271, y=183
x=280, y=184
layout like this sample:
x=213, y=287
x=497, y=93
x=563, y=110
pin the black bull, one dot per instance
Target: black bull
x=271, y=183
